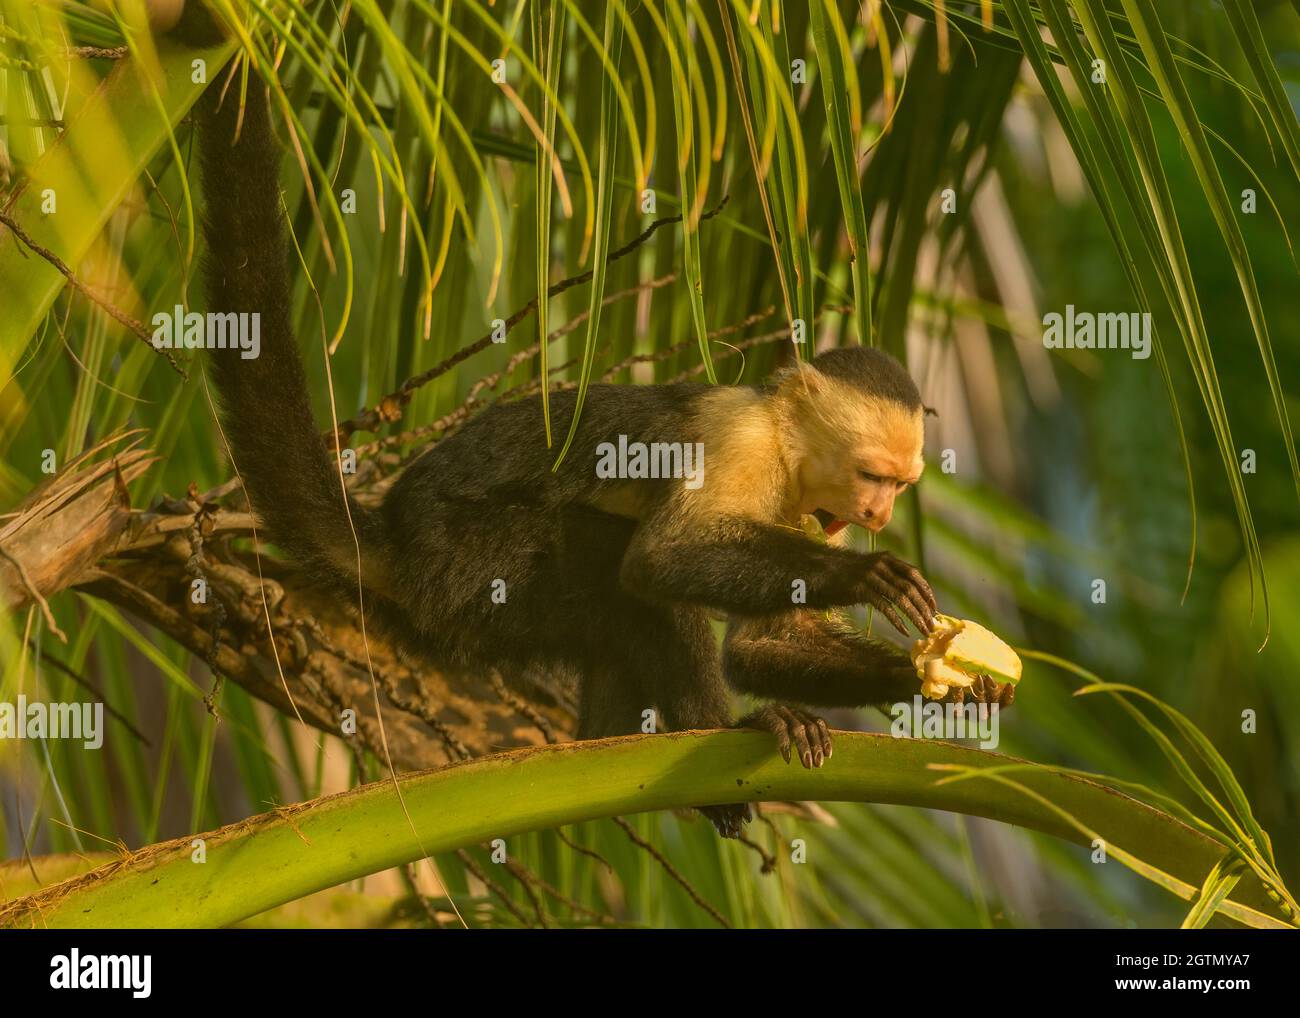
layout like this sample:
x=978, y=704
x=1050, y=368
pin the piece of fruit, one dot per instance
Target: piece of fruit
x=957, y=652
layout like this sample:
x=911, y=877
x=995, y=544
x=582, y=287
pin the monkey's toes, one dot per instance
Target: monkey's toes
x=809, y=734
x=729, y=820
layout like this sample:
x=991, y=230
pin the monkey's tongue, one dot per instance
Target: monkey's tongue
x=829, y=523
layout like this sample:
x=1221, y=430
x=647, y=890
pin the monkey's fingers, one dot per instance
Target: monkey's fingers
x=919, y=611
x=885, y=606
x=923, y=585
x=987, y=691
x=906, y=577
x=892, y=599
x=908, y=580
x=993, y=692
x=893, y=580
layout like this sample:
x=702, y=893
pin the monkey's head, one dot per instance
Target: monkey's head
x=857, y=427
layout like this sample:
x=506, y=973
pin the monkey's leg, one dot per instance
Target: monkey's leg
x=748, y=568
x=693, y=694
x=611, y=701
x=648, y=662
x=659, y=662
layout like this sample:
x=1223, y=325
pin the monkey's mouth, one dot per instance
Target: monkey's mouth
x=829, y=522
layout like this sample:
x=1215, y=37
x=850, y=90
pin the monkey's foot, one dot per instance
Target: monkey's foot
x=809, y=733
x=730, y=819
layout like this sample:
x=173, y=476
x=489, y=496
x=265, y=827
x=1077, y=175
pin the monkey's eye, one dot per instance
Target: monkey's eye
x=867, y=475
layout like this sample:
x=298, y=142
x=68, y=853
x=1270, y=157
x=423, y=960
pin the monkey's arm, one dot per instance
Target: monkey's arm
x=744, y=567
x=802, y=656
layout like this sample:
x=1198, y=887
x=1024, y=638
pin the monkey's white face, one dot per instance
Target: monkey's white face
x=855, y=464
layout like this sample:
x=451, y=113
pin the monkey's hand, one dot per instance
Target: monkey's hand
x=985, y=689
x=892, y=586
x=808, y=733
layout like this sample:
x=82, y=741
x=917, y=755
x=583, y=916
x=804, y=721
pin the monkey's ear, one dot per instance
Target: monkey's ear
x=800, y=379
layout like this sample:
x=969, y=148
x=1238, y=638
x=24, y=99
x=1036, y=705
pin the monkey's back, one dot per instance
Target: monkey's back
x=483, y=510
x=501, y=455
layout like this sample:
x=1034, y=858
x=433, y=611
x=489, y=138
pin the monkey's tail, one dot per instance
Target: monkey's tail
x=292, y=481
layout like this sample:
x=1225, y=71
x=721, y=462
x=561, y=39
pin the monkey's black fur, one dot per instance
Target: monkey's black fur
x=872, y=370
x=622, y=601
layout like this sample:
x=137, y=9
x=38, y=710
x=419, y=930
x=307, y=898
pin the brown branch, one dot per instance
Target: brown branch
x=522, y=875
x=769, y=861
x=99, y=52
x=471, y=864
x=523, y=707
x=122, y=317
x=491, y=381
x=584, y=850
x=389, y=408
x=530, y=879
x=113, y=712
x=426, y=906
x=671, y=870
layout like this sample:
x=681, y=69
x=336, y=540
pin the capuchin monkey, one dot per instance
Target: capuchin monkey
x=611, y=578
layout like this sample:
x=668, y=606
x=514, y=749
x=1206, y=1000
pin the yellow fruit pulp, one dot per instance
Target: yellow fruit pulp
x=958, y=652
